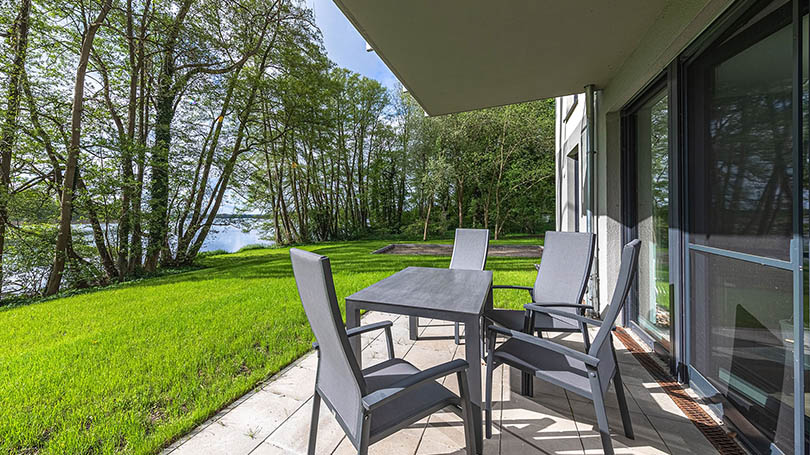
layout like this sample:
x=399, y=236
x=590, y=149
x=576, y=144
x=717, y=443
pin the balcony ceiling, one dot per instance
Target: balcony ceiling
x=459, y=55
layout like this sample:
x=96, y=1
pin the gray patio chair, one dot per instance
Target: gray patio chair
x=562, y=277
x=375, y=402
x=470, y=249
x=586, y=374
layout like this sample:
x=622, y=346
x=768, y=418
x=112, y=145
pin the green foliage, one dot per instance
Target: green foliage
x=29, y=253
x=130, y=368
x=191, y=106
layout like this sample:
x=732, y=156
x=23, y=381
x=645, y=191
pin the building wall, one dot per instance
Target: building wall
x=678, y=25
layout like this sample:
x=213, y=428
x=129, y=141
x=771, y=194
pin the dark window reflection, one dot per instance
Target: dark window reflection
x=741, y=186
x=741, y=143
x=744, y=339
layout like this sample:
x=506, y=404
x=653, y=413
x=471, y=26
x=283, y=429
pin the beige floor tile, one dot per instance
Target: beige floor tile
x=297, y=383
x=548, y=426
x=275, y=419
x=444, y=435
x=682, y=438
x=267, y=448
x=293, y=434
x=646, y=441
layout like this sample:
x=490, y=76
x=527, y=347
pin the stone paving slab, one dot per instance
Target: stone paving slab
x=274, y=418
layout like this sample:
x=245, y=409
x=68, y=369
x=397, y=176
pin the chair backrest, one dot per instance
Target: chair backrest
x=470, y=249
x=601, y=346
x=339, y=378
x=565, y=267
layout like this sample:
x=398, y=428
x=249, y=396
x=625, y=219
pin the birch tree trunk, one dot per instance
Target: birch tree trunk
x=69, y=179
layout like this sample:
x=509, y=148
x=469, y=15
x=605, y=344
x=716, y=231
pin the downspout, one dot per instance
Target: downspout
x=591, y=221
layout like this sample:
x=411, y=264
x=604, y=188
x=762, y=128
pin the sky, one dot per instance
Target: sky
x=347, y=49
x=345, y=46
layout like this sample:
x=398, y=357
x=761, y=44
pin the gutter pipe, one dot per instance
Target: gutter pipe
x=591, y=223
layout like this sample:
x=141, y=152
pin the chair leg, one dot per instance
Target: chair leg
x=601, y=413
x=488, y=404
x=527, y=380
x=457, y=333
x=313, y=424
x=466, y=412
x=627, y=424
x=362, y=447
x=586, y=337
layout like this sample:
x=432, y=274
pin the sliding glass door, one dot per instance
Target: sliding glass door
x=648, y=156
x=743, y=250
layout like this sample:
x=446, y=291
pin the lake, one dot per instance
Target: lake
x=231, y=238
x=227, y=235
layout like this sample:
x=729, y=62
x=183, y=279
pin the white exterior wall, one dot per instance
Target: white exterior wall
x=679, y=24
x=569, y=162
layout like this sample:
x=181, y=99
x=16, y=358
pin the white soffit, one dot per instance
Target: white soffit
x=459, y=55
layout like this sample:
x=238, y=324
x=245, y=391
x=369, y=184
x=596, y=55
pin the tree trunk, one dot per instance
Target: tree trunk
x=427, y=218
x=19, y=45
x=159, y=158
x=69, y=180
x=98, y=235
x=460, y=202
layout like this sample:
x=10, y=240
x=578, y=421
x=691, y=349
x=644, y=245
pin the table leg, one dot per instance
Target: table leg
x=352, y=321
x=413, y=327
x=472, y=346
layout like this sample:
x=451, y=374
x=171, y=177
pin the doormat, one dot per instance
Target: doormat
x=710, y=429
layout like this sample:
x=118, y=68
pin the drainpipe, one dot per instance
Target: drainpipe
x=590, y=192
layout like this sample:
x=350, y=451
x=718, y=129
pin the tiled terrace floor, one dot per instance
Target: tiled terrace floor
x=274, y=418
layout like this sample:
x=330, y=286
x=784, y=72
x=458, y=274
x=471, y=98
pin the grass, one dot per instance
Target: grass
x=131, y=368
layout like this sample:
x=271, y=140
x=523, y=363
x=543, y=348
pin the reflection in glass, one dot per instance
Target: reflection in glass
x=741, y=184
x=652, y=155
x=741, y=145
x=744, y=340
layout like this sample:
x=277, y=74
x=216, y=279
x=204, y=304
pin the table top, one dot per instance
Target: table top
x=446, y=290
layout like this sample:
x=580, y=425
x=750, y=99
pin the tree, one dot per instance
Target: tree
x=435, y=181
x=18, y=40
x=70, y=175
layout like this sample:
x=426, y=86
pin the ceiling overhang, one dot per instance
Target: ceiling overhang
x=460, y=55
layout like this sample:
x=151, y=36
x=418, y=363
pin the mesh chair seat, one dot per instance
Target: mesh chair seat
x=514, y=319
x=425, y=399
x=552, y=367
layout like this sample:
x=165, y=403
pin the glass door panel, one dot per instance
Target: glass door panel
x=741, y=184
x=652, y=158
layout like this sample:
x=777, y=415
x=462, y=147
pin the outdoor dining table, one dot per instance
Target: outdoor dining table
x=446, y=294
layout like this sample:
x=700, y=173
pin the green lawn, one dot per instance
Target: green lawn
x=131, y=368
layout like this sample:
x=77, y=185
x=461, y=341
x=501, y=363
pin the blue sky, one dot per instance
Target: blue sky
x=345, y=46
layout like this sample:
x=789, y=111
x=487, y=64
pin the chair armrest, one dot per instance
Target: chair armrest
x=563, y=305
x=562, y=314
x=380, y=397
x=546, y=344
x=367, y=328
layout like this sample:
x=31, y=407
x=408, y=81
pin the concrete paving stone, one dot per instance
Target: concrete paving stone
x=274, y=419
x=243, y=428
x=682, y=438
x=647, y=439
x=293, y=434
